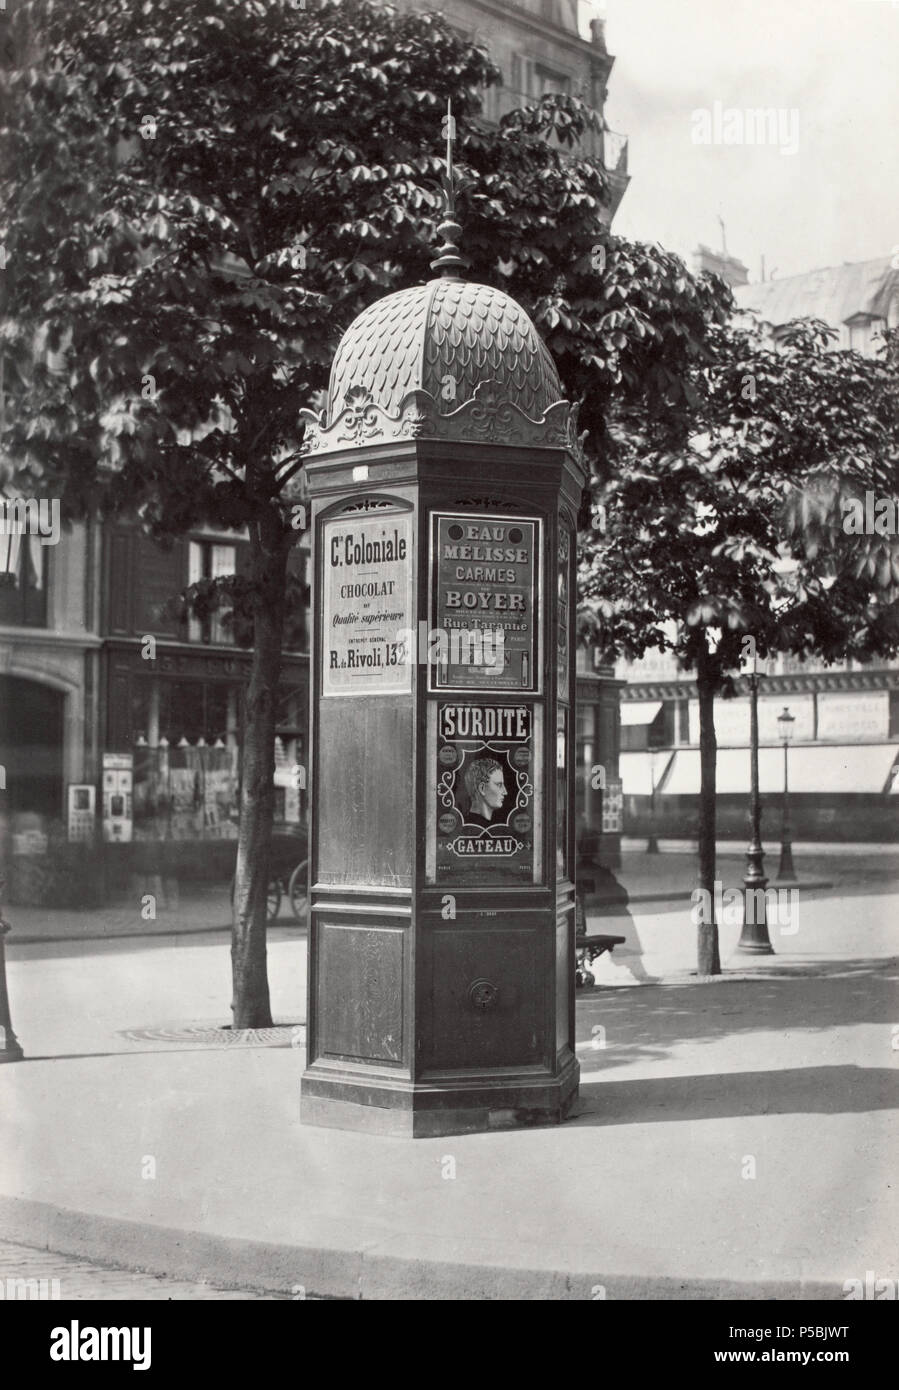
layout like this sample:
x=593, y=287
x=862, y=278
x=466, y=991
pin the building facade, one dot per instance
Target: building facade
x=843, y=759
x=859, y=299
x=49, y=646
x=101, y=679
x=49, y=690
x=544, y=46
x=173, y=695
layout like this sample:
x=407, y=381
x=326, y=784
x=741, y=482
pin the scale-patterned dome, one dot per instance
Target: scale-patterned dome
x=447, y=338
x=446, y=360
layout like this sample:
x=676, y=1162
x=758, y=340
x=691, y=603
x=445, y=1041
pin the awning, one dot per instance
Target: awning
x=640, y=711
x=859, y=767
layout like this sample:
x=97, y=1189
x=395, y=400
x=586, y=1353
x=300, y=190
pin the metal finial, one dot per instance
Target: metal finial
x=449, y=261
x=450, y=137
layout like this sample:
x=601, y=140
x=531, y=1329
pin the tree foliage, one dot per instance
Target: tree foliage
x=200, y=196
x=740, y=527
x=722, y=532
x=204, y=195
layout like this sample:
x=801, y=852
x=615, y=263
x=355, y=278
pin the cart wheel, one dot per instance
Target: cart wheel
x=272, y=898
x=298, y=892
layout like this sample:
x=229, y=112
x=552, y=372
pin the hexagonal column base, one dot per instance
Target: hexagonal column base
x=425, y=1111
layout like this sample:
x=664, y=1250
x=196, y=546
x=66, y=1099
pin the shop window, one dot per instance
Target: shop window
x=191, y=710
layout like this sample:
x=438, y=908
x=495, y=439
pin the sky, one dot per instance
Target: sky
x=825, y=191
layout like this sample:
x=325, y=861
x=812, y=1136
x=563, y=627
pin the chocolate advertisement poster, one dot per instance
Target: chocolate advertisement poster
x=367, y=597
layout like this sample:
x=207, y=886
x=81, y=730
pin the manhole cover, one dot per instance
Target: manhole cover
x=202, y=1035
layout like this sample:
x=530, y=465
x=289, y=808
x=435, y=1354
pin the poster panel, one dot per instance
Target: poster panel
x=118, y=786
x=486, y=821
x=562, y=792
x=485, y=600
x=563, y=664
x=81, y=806
x=367, y=603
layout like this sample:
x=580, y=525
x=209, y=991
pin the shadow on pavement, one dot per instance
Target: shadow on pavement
x=834, y=1090
x=605, y=901
x=78, y=948
x=646, y=1022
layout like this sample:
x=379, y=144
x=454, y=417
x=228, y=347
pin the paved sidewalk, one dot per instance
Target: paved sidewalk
x=732, y=1139
x=42, y=1274
x=670, y=877
x=672, y=873
x=200, y=909
x=647, y=878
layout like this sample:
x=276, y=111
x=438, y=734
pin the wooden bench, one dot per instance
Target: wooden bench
x=586, y=950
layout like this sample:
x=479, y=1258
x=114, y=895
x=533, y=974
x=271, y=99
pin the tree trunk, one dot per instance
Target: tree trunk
x=709, y=962
x=250, y=1004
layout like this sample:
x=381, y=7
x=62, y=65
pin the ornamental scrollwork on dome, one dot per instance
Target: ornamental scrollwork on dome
x=487, y=418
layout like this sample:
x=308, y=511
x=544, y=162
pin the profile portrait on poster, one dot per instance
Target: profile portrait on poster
x=487, y=792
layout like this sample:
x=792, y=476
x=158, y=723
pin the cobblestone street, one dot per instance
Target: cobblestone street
x=87, y=1282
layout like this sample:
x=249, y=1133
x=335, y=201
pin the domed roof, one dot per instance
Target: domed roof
x=446, y=338
x=445, y=360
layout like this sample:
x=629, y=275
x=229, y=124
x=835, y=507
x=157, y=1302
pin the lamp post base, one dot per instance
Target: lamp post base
x=10, y=1048
x=786, y=873
x=748, y=946
x=754, y=938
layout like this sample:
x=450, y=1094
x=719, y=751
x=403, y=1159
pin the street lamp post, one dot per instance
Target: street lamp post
x=652, y=844
x=754, y=938
x=786, y=872
x=10, y=1050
